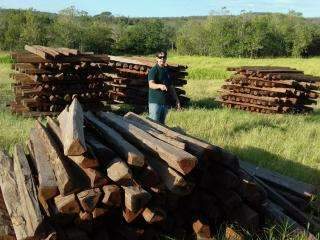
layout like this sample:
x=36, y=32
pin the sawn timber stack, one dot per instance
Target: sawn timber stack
x=104, y=176
x=270, y=90
x=128, y=81
x=46, y=80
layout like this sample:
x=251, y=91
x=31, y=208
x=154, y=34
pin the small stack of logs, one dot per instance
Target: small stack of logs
x=46, y=79
x=103, y=176
x=270, y=90
x=128, y=81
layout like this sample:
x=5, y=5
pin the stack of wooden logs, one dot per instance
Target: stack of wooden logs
x=270, y=90
x=104, y=176
x=46, y=79
x=128, y=80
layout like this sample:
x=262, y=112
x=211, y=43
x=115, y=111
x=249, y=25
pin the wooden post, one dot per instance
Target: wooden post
x=153, y=215
x=64, y=180
x=95, y=177
x=126, y=150
x=201, y=149
x=11, y=198
x=27, y=191
x=89, y=199
x=176, y=158
x=174, y=182
x=47, y=181
x=118, y=171
x=67, y=204
x=135, y=197
x=112, y=196
x=71, y=125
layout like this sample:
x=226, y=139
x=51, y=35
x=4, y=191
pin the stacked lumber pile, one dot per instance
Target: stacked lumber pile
x=105, y=176
x=46, y=79
x=128, y=81
x=270, y=90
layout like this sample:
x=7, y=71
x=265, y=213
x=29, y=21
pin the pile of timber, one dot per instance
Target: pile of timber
x=128, y=81
x=46, y=79
x=270, y=90
x=103, y=176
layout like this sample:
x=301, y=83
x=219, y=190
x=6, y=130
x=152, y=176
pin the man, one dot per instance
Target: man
x=160, y=89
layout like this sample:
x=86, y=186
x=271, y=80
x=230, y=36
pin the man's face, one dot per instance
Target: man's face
x=161, y=59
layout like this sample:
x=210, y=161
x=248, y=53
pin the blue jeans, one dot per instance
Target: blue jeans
x=158, y=112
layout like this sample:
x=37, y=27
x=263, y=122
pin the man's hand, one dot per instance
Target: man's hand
x=163, y=87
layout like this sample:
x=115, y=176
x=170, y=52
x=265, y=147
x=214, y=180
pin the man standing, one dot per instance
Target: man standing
x=160, y=89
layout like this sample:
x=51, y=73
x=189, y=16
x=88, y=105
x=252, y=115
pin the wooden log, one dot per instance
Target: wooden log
x=199, y=148
x=119, y=172
x=126, y=150
x=27, y=191
x=9, y=188
x=135, y=197
x=6, y=229
x=64, y=179
x=219, y=176
x=86, y=160
x=89, y=199
x=158, y=134
x=178, y=159
x=85, y=216
x=99, y=212
x=202, y=229
x=231, y=234
x=276, y=213
x=47, y=181
x=67, y=204
x=37, y=51
x=129, y=216
x=71, y=125
x=174, y=182
x=246, y=217
x=112, y=196
x=32, y=58
x=153, y=215
x=292, y=210
x=103, y=154
x=149, y=177
x=290, y=184
x=95, y=177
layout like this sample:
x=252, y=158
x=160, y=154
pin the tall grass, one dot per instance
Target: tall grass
x=13, y=129
x=210, y=68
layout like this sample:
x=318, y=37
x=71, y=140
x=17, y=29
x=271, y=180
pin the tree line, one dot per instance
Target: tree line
x=244, y=35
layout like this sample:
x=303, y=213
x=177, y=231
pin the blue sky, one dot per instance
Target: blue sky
x=161, y=8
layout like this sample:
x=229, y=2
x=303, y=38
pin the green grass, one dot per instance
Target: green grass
x=13, y=129
x=288, y=144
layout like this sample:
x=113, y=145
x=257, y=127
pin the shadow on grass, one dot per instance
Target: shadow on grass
x=245, y=127
x=278, y=163
x=314, y=116
x=207, y=103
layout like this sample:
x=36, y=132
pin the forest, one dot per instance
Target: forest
x=220, y=35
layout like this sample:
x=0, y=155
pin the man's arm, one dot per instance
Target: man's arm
x=154, y=85
x=175, y=97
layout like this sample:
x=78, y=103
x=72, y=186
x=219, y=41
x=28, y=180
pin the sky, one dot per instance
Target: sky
x=169, y=8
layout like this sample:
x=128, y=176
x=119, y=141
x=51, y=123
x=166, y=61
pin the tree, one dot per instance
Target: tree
x=34, y=29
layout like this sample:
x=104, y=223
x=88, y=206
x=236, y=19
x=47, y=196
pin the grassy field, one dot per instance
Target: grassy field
x=289, y=144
